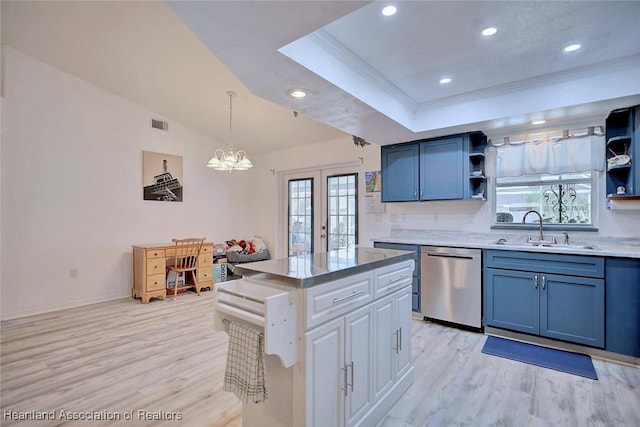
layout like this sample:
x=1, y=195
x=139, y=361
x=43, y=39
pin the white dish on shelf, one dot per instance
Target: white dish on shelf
x=476, y=173
x=619, y=160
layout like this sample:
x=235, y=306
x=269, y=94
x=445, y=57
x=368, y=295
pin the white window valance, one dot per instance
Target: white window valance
x=551, y=157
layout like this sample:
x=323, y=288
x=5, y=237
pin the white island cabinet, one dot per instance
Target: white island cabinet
x=353, y=333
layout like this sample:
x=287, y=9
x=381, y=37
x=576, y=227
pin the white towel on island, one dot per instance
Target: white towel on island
x=245, y=374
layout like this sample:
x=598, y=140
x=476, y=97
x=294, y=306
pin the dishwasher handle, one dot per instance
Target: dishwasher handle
x=446, y=255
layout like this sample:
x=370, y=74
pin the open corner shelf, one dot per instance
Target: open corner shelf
x=622, y=134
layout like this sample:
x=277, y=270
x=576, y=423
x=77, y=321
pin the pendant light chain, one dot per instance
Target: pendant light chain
x=231, y=94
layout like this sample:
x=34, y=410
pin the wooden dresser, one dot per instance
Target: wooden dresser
x=150, y=266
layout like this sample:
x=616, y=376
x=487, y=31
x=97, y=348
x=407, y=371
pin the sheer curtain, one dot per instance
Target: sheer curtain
x=551, y=157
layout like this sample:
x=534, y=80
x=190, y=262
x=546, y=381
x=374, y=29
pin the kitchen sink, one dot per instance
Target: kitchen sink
x=545, y=244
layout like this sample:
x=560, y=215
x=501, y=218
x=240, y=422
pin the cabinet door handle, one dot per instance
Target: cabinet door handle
x=397, y=334
x=544, y=282
x=348, y=297
x=344, y=382
x=535, y=281
x=398, y=279
x=400, y=340
x=351, y=364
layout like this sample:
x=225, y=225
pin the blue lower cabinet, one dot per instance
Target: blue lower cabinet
x=623, y=306
x=415, y=302
x=568, y=308
x=511, y=301
x=572, y=309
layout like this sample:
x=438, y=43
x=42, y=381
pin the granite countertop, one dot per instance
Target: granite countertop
x=314, y=269
x=624, y=247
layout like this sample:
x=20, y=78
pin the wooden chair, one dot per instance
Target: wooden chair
x=185, y=259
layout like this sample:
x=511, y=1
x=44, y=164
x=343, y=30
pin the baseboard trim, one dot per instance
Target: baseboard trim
x=32, y=311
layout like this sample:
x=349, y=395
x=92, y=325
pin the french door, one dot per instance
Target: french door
x=321, y=211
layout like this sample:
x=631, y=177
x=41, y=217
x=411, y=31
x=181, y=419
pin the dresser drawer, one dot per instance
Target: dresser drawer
x=326, y=302
x=388, y=279
x=155, y=266
x=205, y=261
x=155, y=253
x=204, y=274
x=207, y=249
x=155, y=282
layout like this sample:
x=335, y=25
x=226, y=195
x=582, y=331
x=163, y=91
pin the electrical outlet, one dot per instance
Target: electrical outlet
x=73, y=273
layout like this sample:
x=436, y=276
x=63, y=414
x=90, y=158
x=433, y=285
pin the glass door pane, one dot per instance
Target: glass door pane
x=300, y=218
x=319, y=211
x=342, y=211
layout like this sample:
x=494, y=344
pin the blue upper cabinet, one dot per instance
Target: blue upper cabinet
x=400, y=172
x=441, y=169
x=445, y=168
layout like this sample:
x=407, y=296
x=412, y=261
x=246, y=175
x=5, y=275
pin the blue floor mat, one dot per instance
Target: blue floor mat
x=564, y=361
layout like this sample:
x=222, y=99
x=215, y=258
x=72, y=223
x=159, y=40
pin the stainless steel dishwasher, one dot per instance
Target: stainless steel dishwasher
x=451, y=285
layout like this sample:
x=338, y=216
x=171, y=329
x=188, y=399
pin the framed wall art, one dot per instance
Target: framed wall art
x=161, y=177
x=372, y=180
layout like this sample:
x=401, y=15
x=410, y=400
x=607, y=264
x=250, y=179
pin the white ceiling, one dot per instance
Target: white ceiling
x=365, y=74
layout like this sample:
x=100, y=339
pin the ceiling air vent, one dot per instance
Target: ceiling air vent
x=159, y=124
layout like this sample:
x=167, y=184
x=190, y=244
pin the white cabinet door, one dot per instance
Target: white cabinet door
x=355, y=360
x=324, y=361
x=385, y=342
x=392, y=320
x=403, y=321
x=358, y=364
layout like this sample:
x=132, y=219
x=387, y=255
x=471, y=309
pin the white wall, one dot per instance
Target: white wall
x=72, y=189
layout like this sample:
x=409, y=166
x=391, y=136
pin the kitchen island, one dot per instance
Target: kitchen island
x=337, y=334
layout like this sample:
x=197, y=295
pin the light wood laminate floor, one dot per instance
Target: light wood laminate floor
x=117, y=358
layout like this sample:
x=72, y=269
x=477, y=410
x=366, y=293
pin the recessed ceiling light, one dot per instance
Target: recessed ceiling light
x=489, y=31
x=572, y=47
x=445, y=80
x=389, y=10
x=538, y=122
x=297, y=93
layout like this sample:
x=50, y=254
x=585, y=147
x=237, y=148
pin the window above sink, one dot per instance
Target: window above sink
x=564, y=200
x=555, y=174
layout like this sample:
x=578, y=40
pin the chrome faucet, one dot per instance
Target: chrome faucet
x=540, y=237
